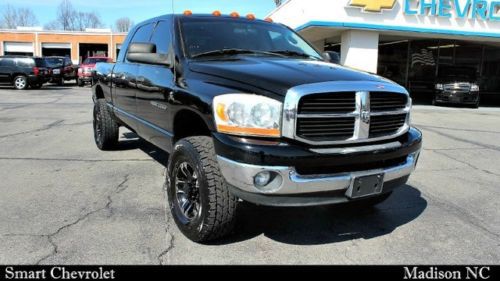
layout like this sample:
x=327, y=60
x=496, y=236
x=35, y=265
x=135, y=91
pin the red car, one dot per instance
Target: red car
x=87, y=67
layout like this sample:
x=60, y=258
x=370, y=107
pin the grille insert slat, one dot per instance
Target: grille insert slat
x=321, y=128
x=387, y=101
x=386, y=124
x=342, y=102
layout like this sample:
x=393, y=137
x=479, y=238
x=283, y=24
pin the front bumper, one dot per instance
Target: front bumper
x=294, y=185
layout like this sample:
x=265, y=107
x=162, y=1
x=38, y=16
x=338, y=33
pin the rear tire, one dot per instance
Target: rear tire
x=21, y=82
x=199, y=199
x=79, y=82
x=105, y=127
x=60, y=82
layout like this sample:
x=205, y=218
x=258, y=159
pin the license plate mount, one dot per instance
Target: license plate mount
x=367, y=185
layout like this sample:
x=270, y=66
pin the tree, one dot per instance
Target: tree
x=123, y=24
x=65, y=15
x=13, y=17
x=70, y=19
x=278, y=2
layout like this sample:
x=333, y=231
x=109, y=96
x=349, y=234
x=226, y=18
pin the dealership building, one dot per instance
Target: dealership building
x=412, y=42
x=74, y=44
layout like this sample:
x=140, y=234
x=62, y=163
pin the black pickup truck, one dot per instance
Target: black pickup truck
x=248, y=110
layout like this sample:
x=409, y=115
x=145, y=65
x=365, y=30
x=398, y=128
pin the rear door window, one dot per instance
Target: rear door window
x=25, y=62
x=6, y=62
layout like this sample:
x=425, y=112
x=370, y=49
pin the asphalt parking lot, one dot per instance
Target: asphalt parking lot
x=62, y=201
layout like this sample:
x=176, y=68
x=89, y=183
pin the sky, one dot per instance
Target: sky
x=139, y=10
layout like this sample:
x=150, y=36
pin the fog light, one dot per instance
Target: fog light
x=262, y=179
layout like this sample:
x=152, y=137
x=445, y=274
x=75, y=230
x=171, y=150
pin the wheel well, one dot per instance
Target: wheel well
x=99, y=93
x=188, y=124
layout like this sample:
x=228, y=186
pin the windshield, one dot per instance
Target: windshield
x=457, y=73
x=55, y=62
x=94, y=60
x=201, y=36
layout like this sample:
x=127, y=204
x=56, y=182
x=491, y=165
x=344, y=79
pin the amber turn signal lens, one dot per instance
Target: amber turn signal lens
x=251, y=16
x=248, y=131
x=269, y=19
x=216, y=13
x=234, y=15
x=188, y=13
x=221, y=112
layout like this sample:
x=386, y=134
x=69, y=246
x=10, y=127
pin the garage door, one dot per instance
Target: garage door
x=56, y=45
x=56, y=49
x=18, y=48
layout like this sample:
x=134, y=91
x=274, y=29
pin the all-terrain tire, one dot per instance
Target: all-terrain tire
x=218, y=206
x=105, y=127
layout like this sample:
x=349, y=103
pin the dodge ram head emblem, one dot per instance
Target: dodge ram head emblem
x=373, y=6
x=365, y=117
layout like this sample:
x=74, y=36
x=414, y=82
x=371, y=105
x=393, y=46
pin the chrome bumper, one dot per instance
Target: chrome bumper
x=242, y=175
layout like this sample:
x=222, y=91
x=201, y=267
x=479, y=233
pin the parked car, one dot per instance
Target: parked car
x=62, y=69
x=86, y=69
x=457, y=85
x=249, y=110
x=23, y=71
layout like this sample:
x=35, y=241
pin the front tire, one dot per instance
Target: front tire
x=199, y=199
x=21, y=82
x=105, y=127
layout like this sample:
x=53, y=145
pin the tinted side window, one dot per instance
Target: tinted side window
x=162, y=37
x=25, y=62
x=143, y=33
x=7, y=62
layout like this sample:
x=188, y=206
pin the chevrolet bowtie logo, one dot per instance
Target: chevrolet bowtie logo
x=373, y=5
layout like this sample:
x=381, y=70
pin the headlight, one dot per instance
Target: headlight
x=474, y=88
x=248, y=115
x=439, y=87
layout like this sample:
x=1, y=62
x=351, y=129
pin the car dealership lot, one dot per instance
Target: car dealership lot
x=62, y=201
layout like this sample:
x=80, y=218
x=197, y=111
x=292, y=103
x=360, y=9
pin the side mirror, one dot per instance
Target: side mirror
x=146, y=53
x=332, y=57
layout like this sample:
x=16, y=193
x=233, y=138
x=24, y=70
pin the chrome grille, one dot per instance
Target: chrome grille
x=457, y=87
x=345, y=112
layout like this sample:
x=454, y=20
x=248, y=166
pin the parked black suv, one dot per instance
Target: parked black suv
x=457, y=85
x=249, y=110
x=23, y=72
x=62, y=69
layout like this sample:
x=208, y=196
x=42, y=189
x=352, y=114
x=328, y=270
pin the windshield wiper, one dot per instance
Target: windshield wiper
x=294, y=54
x=222, y=52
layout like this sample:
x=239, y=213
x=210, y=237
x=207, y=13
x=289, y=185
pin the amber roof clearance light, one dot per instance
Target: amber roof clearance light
x=188, y=13
x=234, y=15
x=216, y=13
x=251, y=17
x=269, y=19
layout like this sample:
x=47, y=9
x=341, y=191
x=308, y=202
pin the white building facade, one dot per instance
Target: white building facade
x=412, y=42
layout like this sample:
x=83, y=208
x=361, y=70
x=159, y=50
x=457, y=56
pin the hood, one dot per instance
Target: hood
x=278, y=74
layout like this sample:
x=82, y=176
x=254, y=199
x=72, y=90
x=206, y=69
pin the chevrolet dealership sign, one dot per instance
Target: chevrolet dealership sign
x=373, y=5
x=461, y=9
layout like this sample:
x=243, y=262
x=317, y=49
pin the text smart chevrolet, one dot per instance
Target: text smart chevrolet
x=250, y=111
